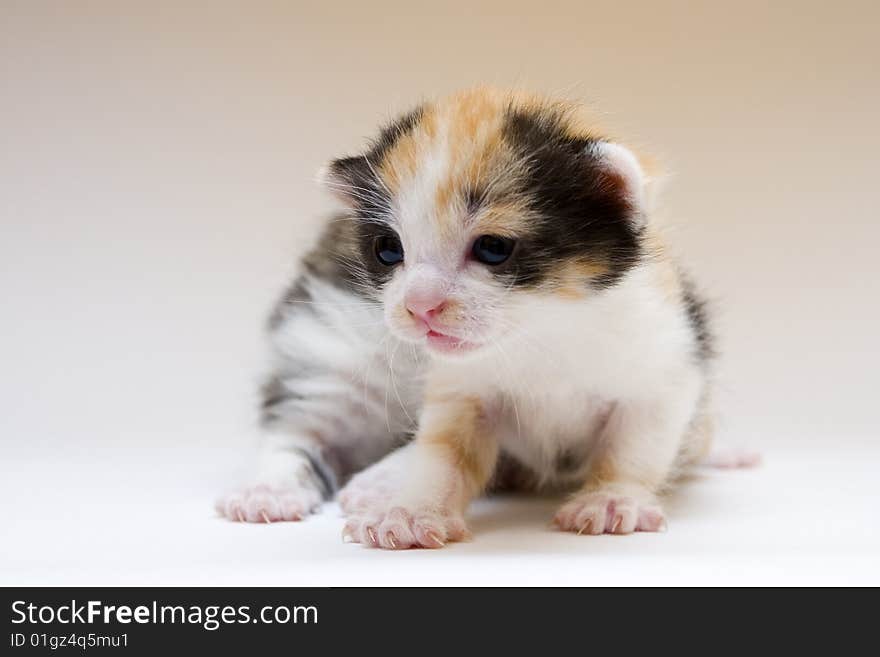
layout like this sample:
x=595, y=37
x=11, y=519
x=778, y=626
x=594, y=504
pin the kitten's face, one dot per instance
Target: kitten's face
x=468, y=209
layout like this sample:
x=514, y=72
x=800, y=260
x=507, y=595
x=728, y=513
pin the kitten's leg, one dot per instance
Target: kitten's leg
x=325, y=408
x=293, y=479
x=416, y=497
x=636, y=456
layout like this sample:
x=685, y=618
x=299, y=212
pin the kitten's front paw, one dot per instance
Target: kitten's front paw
x=399, y=527
x=269, y=503
x=388, y=508
x=608, y=512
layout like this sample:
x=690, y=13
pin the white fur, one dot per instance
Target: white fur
x=626, y=164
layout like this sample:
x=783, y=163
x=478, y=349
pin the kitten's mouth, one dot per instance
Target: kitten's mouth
x=447, y=343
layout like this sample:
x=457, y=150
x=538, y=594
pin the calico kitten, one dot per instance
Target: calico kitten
x=494, y=307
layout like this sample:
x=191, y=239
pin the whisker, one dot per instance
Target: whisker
x=378, y=177
x=394, y=385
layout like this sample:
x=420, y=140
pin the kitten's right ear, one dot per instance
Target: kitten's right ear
x=347, y=178
x=628, y=174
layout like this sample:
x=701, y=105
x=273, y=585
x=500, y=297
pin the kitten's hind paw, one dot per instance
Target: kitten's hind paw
x=269, y=503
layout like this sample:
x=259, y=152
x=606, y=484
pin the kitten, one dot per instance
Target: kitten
x=495, y=307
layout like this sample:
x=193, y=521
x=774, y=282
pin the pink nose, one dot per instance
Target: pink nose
x=425, y=305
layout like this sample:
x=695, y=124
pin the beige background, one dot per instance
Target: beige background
x=156, y=164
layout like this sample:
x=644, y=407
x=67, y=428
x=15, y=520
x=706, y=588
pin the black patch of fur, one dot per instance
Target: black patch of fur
x=698, y=318
x=273, y=394
x=392, y=132
x=569, y=461
x=370, y=197
x=511, y=475
x=584, y=213
x=337, y=258
x=375, y=271
x=321, y=472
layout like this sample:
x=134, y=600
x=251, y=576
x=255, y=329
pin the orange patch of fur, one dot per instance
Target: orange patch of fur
x=602, y=471
x=665, y=273
x=466, y=130
x=460, y=429
x=402, y=162
x=504, y=219
x=573, y=281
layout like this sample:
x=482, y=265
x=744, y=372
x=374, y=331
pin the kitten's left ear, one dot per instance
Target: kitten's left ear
x=347, y=178
x=626, y=173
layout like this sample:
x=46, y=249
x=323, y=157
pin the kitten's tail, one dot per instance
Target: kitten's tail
x=729, y=458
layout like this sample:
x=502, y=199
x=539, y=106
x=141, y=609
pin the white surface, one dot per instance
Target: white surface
x=114, y=517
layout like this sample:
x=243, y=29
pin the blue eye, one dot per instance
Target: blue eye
x=493, y=250
x=389, y=250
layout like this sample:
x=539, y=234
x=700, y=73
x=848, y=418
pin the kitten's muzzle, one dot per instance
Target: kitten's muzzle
x=427, y=318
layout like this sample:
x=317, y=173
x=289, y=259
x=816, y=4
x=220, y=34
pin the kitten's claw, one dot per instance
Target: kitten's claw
x=400, y=529
x=598, y=512
x=266, y=503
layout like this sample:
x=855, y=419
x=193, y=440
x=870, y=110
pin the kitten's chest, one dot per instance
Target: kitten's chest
x=555, y=403
x=554, y=433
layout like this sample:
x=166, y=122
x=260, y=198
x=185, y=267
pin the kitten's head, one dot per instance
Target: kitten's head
x=467, y=208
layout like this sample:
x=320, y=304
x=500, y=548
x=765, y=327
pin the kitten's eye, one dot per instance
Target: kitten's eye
x=493, y=250
x=389, y=250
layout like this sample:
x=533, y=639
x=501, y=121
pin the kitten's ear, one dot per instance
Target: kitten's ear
x=347, y=178
x=628, y=175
